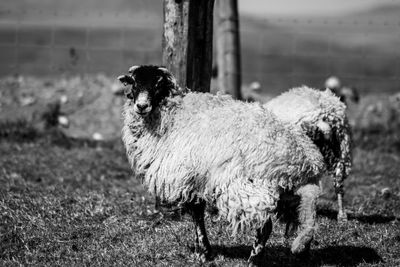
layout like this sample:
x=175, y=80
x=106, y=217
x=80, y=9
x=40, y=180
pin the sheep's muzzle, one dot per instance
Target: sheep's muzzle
x=142, y=105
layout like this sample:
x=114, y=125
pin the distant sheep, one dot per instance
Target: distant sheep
x=322, y=116
x=346, y=94
x=196, y=148
x=377, y=113
x=249, y=92
x=252, y=92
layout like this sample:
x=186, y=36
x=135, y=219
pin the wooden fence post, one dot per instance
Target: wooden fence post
x=187, y=42
x=228, y=48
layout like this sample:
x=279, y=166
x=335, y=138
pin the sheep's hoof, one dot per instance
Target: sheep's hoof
x=303, y=255
x=256, y=256
x=204, y=256
x=253, y=264
x=301, y=245
x=255, y=261
x=342, y=217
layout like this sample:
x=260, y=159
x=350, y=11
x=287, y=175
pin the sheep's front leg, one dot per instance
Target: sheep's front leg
x=202, y=245
x=259, y=244
x=307, y=217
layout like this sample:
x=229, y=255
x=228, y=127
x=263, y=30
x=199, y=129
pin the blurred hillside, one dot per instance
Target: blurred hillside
x=48, y=37
x=362, y=49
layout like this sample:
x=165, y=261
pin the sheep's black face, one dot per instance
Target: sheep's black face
x=150, y=85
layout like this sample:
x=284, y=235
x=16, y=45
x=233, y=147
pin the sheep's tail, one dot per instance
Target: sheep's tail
x=343, y=166
x=246, y=204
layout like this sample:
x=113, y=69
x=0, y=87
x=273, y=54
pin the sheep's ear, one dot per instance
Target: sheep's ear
x=133, y=68
x=125, y=79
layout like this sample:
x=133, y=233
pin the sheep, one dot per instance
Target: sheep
x=346, y=94
x=193, y=149
x=322, y=117
x=377, y=113
x=253, y=92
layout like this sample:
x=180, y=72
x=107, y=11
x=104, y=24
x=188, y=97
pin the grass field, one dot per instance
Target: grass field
x=74, y=203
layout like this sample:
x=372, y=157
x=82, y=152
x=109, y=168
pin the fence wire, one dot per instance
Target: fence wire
x=46, y=37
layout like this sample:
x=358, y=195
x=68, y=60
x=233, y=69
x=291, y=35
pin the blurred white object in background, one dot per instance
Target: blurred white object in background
x=63, y=99
x=253, y=92
x=255, y=86
x=332, y=82
x=385, y=192
x=97, y=137
x=63, y=121
x=27, y=100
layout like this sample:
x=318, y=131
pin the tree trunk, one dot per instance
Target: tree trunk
x=187, y=42
x=228, y=48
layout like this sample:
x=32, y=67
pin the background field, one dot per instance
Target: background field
x=281, y=51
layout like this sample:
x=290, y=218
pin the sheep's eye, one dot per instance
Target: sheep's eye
x=129, y=93
x=157, y=90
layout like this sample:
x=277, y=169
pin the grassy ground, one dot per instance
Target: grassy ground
x=76, y=204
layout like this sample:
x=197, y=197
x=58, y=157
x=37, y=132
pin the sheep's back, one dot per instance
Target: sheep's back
x=306, y=105
x=214, y=146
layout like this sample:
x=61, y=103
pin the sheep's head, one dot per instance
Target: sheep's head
x=149, y=85
x=347, y=94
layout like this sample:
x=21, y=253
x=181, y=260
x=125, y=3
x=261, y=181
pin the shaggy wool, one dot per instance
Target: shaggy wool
x=234, y=154
x=322, y=116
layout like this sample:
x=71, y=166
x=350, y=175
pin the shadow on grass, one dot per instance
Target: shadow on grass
x=370, y=219
x=281, y=256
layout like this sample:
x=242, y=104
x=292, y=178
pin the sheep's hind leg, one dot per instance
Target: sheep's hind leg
x=342, y=216
x=259, y=244
x=307, y=218
x=202, y=245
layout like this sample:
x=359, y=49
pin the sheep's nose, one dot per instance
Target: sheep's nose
x=142, y=106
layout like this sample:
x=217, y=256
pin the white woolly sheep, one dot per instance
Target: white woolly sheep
x=322, y=117
x=197, y=148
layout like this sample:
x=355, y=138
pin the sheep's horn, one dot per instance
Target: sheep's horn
x=133, y=68
x=163, y=69
x=169, y=76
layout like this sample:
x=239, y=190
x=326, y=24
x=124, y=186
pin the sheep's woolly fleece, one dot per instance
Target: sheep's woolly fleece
x=234, y=154
x=318, y=112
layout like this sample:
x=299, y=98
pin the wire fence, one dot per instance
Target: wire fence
x=72, y=37
x=47, y=38
x=361, y=50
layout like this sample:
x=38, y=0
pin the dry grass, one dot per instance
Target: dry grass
x=77, y=204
